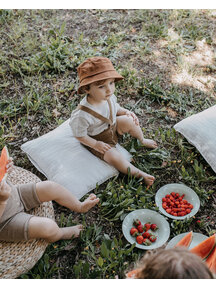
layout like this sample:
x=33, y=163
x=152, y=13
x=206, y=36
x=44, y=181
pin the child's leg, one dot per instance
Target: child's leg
x=48, y=190
x=45, y=228
x=126, y=124
x=115, y=158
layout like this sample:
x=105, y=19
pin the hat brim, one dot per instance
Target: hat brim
x=98, y=77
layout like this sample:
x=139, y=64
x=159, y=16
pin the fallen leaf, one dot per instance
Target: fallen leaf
x=164, y=164
x=171, y=112
x=56, y=113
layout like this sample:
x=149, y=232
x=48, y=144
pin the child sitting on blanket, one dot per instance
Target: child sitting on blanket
x=99, y=120
x=17, y=225
x=173, y=263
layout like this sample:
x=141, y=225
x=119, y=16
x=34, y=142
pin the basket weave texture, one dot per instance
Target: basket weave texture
x=18, y=258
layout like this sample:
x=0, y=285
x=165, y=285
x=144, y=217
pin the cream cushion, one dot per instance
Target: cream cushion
x=200, y=130
x=61, y=158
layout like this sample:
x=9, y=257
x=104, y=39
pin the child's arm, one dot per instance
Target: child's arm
x=5, y=189
x=122, y=111
x=5, y=192
x=97, y=145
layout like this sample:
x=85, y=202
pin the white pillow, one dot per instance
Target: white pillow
x=200, y=131
x=61, y=158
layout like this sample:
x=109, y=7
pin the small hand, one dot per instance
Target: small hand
x=133, y=115
x=5, y=191
x=101, y=147
x=10, y=165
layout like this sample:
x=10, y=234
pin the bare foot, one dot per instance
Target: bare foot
x=149, y=179
x=90, y=202
x=72, y=231
x=149, y=143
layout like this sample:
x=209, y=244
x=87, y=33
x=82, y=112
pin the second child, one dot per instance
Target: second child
x=99, y=120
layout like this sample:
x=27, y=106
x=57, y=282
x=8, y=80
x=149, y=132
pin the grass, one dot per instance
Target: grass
x=167, y=59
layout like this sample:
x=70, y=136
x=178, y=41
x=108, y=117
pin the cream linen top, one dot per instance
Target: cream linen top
x=83, y=123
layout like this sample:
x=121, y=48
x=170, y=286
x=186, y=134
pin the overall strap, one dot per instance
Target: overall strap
x=95, y=114
x=110, y=108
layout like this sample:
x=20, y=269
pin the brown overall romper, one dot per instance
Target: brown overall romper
x=109, y=135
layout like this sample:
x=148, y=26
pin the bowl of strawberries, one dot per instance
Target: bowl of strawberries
x=146, y=228
x=177, y=201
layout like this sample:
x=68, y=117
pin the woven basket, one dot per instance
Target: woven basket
x=18, y=258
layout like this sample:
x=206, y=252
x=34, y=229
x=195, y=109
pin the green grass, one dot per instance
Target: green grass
x=40, y=51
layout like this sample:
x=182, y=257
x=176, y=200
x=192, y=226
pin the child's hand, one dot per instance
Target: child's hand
x=10, y=165
x=101, y=147
x=133, y=115
x=5, y=191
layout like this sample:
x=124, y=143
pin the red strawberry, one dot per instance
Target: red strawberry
x=164, y=199
x=164, y=205
x=133, y=232
x=168, y=211
x=154, y=227
x=147, y=226
x=140, y=228
x=146, y=242
x=136, y=222
x=152, y=238
x=146, y=235
x=139, y=239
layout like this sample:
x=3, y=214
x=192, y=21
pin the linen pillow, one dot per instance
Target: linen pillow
x=200, y=130
x=61, y=158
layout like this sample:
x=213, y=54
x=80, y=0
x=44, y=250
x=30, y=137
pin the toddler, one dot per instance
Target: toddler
x=174, y=263
x=99, y=120
x=17, y=225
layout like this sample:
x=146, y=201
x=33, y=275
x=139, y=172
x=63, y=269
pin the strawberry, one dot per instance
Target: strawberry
x=136, y=222
x=164, y=199
x=168, y=210
x=139, y=239
x=146, y=235
x=152, y=238
x=133, y=232
x=154, y=227
x=147, y=226
x=164, y=205
x=140, y=228
x=146, y=242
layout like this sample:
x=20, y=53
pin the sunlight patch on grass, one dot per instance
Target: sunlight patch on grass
x=193, y=68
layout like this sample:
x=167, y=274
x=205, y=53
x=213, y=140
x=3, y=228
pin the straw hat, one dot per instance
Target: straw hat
x=95, y=69
x=19, y=258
